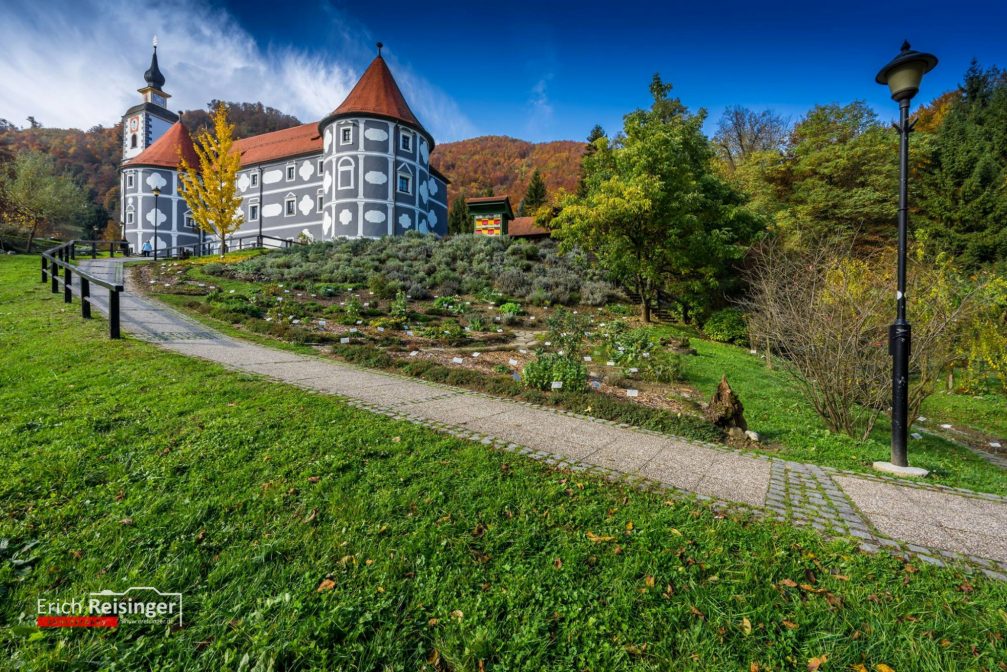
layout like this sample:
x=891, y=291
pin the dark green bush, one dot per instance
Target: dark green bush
x=549, y=368
x=727, y=326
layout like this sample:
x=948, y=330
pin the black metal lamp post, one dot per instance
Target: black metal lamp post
x=903, y=76
x=157, y=194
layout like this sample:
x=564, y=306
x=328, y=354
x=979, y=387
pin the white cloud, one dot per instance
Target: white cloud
x=80, y=64
x=540, y=108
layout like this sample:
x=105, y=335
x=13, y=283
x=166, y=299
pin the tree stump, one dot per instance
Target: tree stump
x=725, y=409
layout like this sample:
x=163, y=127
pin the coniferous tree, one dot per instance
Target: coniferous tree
x=459, y=220
x=963, y=193
x=596, y=134
x=534, y=197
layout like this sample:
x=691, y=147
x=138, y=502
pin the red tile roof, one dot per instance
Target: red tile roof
x=377, y=93
x=525, y=226
x=303, y=139
x=164, y=152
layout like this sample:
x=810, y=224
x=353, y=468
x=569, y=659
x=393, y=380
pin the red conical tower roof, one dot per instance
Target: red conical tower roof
x=165, y=150
x=377, y=94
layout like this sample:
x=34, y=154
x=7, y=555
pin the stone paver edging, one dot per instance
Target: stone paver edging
x=933, y=523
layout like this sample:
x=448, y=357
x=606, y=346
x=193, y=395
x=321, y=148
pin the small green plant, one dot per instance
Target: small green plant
x=388, y=322
x=450, y=304
x=400, y=306
x=727, y=326
x=552, y=368
x=490, y=295
x=352, y=310
x=510, y=308
x=568, y=330
x=477, y=322
x=449, y=331
x=501, y=368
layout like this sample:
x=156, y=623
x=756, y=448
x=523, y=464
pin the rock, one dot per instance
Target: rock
x=752, y=436
x=737, y=433
x=725, y=409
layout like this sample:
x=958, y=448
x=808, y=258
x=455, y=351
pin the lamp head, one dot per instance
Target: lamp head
x=904, y=73
x=155, y=191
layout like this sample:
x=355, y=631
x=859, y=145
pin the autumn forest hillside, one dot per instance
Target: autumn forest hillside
x=501, y=165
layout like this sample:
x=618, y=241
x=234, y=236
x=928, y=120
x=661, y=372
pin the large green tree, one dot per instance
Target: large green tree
x=963, y=191
x=836, y=177
x=534, y=197
x=654, y=212
x=459, y=220
x=40, y=199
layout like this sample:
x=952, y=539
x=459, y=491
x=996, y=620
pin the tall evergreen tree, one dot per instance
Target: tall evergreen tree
x=596, y=134
x=459, y=220
x=963, y=193
x=534, y=197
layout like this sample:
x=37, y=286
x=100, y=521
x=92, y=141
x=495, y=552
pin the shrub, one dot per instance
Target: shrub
x=568, y=330
x=388, y=322
x=510, y=308
x=727, y=326
x=449, y=304
x=596, y=293
x=400, y=306
x=549, y=368
x=449, y=332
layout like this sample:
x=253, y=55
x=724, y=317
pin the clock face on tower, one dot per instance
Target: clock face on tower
x=134, y=124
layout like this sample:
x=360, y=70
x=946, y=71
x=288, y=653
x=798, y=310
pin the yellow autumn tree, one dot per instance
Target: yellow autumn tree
x=210, y=189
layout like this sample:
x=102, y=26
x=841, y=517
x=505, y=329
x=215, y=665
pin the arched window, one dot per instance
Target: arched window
x=345, y=173
x=132, y=141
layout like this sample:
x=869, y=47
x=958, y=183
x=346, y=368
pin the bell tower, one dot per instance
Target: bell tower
x=144, y=123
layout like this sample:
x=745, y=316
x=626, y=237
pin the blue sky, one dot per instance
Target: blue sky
x=534, y=70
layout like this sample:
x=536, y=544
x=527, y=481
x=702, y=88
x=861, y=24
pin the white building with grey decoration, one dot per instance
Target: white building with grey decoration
x=363, y=171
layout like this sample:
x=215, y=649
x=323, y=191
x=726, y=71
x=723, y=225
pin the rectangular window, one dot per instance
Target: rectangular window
x=321, y=167
x=290, y=172
x=255, y=178
x=405, y=183
x=129, y=180
x=291, y=208
x=253, y=212
x=345, y=135
x=318, y=201
x=129, y=217
x=189, y=223
x=406, y=141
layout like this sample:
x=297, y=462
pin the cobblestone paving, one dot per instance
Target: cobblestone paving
x=802, y=494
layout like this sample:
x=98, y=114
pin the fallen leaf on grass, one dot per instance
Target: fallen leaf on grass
x=816, y=662
x=126, y=521
x=457, y=614
x=326, y=584
x=789, y=583
x=598, y=539
x=557, y=563
x=697, y=613
x=859, y=667
x=746, y=626
x=314, y=479
x=790, y=625
x=311, y=516
x=881, y=667
x=396, y=439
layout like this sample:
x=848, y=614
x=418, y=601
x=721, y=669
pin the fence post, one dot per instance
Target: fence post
x=85, y=297
x=45, y=263
x=54, y=274
x=94, y=250
x=73, y=251
x=67, y=278
x=113, y=312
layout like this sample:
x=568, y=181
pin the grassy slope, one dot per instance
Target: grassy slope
x=780, y=415
x=433, y=544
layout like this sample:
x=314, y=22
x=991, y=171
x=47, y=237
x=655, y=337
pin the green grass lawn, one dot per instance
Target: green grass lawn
x=784, y=418
x=985, y=412
x=127, y=465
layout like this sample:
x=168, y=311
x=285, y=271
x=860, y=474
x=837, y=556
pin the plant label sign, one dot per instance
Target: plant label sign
x=587, y=358
x=414, y=353
x=344, y=340
x=456, y=360
x=512, y=362
x=632, y=393
x=609, y=363
x=557, y=384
